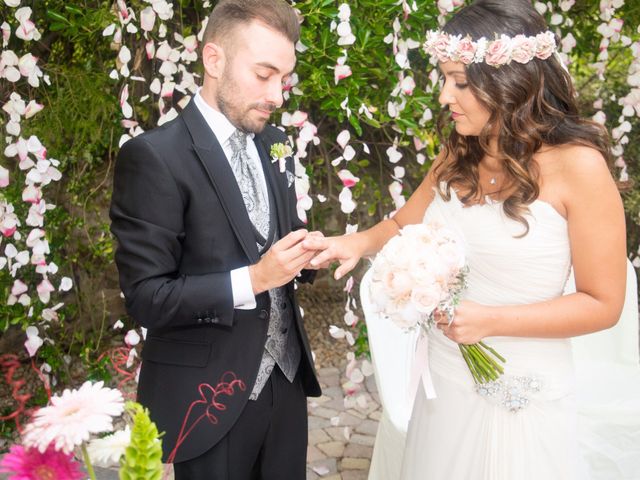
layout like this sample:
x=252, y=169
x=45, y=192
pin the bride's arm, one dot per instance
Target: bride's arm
x=348, y=249
x=596, y=225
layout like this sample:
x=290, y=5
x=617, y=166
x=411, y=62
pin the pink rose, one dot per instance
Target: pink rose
x=523, y=49
x=466, y=51
x=426, y=297
x=398, y=285
x=407, y=316
x=545, y=45
x=438, y=45
x=498, y=52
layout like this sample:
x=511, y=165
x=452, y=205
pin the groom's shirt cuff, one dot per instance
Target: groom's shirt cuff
x=243, y=297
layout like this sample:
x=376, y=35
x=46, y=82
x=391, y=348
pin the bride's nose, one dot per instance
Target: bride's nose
x=446, y=96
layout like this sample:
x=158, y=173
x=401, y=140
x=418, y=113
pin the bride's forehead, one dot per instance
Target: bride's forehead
x=452, y=68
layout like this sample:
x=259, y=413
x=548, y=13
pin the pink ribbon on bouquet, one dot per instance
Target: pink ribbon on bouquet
x=420, y=370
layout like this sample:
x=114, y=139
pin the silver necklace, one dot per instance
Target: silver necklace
x=493, y=181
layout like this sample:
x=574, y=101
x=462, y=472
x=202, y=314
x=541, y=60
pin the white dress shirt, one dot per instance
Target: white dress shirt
x=222, y=128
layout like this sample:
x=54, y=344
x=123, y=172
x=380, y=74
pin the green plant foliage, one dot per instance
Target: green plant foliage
x=143, y=457
x=80, y=126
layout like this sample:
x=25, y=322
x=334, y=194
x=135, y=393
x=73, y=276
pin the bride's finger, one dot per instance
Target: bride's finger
x=344, y=268
x=325, y=256
x=441, y=317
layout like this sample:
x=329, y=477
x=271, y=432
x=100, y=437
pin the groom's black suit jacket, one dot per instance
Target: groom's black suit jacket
x=181, y=225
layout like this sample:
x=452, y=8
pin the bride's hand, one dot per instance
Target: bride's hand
x=344, y=249
x=469, y=325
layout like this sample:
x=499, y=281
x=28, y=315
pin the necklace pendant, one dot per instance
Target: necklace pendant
x=493, y=181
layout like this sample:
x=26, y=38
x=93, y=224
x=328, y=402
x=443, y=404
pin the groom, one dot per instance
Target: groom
x=209, y=246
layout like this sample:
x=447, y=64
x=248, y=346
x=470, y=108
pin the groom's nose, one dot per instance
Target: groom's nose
x=274, y=93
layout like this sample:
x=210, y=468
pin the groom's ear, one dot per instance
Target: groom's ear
x=213, y=59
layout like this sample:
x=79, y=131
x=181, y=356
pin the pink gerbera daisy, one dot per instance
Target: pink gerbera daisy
x=30, y=464
x=73, y=416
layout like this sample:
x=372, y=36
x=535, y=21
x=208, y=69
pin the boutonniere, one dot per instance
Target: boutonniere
x=279, y=153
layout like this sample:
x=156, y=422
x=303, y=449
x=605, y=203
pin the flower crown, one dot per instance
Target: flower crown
x=501, y=51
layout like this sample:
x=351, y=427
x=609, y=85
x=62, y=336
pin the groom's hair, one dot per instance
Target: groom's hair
x=231, y=14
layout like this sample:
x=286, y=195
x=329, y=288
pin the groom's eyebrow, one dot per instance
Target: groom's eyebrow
x=271, y=67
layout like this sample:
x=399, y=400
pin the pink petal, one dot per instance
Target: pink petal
x=4, y=177
x=18, y=288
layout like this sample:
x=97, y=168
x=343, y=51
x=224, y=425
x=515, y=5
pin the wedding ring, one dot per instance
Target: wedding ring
x=450, y=312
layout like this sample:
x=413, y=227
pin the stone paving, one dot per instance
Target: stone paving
x=341, y=437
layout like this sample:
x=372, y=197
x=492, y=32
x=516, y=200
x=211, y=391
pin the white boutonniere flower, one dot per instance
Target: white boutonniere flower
x=279, y=153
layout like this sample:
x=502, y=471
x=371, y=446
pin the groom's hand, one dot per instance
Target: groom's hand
x=282, y=263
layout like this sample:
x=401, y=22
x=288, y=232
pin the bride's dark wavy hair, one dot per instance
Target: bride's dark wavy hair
x=531, y=105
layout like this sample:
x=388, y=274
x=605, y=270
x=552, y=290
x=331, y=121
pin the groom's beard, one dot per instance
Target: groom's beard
x=230, y=102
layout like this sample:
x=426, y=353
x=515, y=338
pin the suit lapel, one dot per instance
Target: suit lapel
x=277, y=182
x=210, y=153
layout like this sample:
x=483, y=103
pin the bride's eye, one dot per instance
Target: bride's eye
x=462, y=86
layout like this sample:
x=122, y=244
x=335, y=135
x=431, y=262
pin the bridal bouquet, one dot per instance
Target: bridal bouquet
x=420, y=272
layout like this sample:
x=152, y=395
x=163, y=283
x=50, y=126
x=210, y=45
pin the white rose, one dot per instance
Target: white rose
x=426, y=297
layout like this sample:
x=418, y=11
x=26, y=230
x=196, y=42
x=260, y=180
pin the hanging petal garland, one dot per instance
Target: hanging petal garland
x=172, y=58
x=24, y=248
x=348, y=205
x=610, y=29
x=171, y=62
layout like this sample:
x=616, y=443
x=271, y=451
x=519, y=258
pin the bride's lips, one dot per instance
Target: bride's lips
x=455, y=115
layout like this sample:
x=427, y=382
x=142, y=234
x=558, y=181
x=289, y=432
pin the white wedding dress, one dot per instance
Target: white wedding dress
x=525, y=428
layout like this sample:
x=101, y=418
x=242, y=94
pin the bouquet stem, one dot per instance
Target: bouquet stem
x=485, y=364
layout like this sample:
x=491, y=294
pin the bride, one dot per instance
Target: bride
x=524, y=181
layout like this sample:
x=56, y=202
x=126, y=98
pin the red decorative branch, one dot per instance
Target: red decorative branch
x=118, y=358
x=208, y=397
x=9, y=363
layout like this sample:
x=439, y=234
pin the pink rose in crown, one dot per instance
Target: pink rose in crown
x=498, y=52
x=466, y=51
x=545, y=45
x=523, y=49
x=440, y=48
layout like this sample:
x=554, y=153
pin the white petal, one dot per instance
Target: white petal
x=32, y=344
x=107, y=32
x=65, y=284
x=343, y=138
x=349, y=153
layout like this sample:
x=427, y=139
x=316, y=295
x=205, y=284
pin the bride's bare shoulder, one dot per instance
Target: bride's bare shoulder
x=575, y=172
x=572, y=159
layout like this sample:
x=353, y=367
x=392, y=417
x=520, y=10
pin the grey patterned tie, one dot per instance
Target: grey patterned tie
x=247, y=175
